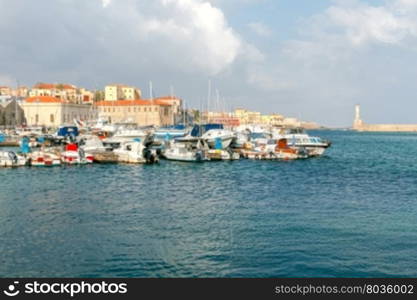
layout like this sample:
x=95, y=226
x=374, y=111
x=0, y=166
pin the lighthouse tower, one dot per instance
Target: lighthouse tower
x=357, y=123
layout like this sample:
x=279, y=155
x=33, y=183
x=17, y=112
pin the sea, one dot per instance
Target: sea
x=350, y=213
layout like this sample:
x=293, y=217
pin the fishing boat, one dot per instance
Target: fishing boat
x=135, y=152
x=74, y=155
x=189, y=149
x=44, y=159
x=298, y=138
x=12, y=159
x=275, y=150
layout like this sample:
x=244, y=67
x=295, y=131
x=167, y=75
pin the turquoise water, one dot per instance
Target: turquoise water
x=352, y=213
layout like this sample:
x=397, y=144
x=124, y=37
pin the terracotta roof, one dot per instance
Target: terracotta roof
x=131, y=103
x=168, y=98
x=43, y=99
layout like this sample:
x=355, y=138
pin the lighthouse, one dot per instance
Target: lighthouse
x=357, y=123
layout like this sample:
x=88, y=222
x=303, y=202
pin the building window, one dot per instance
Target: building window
x=36, y=118
x=52, y=118
x=156, y=108
x=114, y=109
x=138, y=109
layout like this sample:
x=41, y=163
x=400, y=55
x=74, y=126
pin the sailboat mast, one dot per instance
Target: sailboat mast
x=208, y=99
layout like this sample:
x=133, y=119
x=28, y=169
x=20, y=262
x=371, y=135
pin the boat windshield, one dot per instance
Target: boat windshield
x=258, y=135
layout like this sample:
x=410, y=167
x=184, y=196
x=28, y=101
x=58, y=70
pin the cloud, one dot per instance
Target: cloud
x=260, y=29
x=196, y=32
x=364, y=24
x=114, y=40
x=348, y=53
x=105, y=3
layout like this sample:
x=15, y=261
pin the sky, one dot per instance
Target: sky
x=309, y=59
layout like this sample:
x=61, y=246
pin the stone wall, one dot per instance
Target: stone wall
x=387, y=127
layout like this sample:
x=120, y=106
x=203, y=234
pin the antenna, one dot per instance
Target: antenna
x=208, y=99
x=217, y=100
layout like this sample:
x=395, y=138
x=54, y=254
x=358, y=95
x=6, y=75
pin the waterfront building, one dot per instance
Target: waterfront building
x=21, y=92
x=5, y=91
x=86, y=96
x=65, y=92
x=116, y=92
x=11, y=113
x=52, y=111
x=140, y=111
x=227, y=119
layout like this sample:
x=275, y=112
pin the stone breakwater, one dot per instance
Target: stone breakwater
x=386, y=127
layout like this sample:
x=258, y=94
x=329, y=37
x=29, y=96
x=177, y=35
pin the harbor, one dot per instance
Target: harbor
x=132, y=144
x=343, y=214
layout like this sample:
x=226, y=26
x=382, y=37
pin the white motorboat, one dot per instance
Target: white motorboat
x=12, y=159
x=135, y=152
x=92, y=144
x=127, y=134
x=226, y=137
x=192, y=149
x=298, y=138
x=211, y=132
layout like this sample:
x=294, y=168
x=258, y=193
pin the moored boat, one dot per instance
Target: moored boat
x=12, y=159
x=74, y=155
x=135, y=152
x=44, y=159
x=189, y=149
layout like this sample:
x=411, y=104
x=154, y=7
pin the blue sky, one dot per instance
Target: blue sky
x=313, y=59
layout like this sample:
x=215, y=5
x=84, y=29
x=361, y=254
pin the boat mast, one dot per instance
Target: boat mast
x=208, y=99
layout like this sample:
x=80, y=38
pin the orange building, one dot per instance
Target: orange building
x=140, y=111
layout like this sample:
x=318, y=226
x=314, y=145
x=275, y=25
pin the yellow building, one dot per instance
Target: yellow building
x=5, y=91
x=142, y=112
x=53, y=112
x=116, y=92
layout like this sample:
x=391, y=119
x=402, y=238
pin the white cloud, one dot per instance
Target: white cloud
x=105, y=3
x=365, y=24
x=196, y=32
